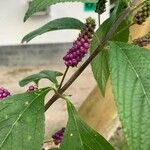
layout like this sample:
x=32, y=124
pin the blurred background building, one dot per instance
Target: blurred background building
x=42, y=48
x=12, y=27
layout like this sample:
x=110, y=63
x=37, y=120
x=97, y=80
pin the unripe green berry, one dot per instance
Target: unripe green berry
x=142, y=14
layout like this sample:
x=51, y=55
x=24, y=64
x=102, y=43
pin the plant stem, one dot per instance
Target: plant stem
x=137, y=7
x=99, y=20
x=93, y=55
x=63, y=78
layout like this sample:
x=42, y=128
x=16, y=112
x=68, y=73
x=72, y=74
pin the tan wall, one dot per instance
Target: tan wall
x=140, y=30
x=100, y=112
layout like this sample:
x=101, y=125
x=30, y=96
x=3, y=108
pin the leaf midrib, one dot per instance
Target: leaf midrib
x=133, y=68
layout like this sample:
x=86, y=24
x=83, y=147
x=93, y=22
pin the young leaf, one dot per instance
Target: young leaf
x=100, y=65
x=48, y=74
x=79, y=136
x=38, y=5
x=52, y=75
x=57, y=24
x=130, y=71
x=22, y=121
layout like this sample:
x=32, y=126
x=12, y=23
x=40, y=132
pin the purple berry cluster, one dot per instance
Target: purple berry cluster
x=142, y=41
x=4, y=93
x=81, y=45
x=32, y=88
x=58, y=136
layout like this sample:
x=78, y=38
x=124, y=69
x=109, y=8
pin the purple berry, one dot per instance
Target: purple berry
x=143, y=41
x=70, y=62
x=81, y=45
x=82, y=40
x=78, y=59
x=86, y=45
x=78, y=52
x=32, y=88
x=58, y=136
x=74, y=62
x=4, y=93
x=1, y=96
x=57, y=141
x=71, y=56
x=66, y=63
x=82, y=49
x=1, y=91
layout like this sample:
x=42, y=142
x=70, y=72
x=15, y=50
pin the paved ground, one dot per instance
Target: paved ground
x=56, y=116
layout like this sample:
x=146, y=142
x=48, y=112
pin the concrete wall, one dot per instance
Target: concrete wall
x=12, y=28
x=33, y=55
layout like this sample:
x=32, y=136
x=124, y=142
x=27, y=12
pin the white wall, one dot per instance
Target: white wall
x=12, y=27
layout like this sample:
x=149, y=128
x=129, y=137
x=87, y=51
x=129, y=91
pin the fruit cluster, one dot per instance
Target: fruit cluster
x=4, y=93
x=101, y=6
x=58, y=136
x=143, y=41
x=81, y=45
x=142, y=14
x=32, y=88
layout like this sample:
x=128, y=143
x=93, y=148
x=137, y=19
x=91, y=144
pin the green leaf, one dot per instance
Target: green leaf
x=57, y=24
x=38, y=5
x=52, y=75
x=48, y=74
x=130, y=71
x=22, y=121
x=79, y=136
x=100, y=70
x=100, y=65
